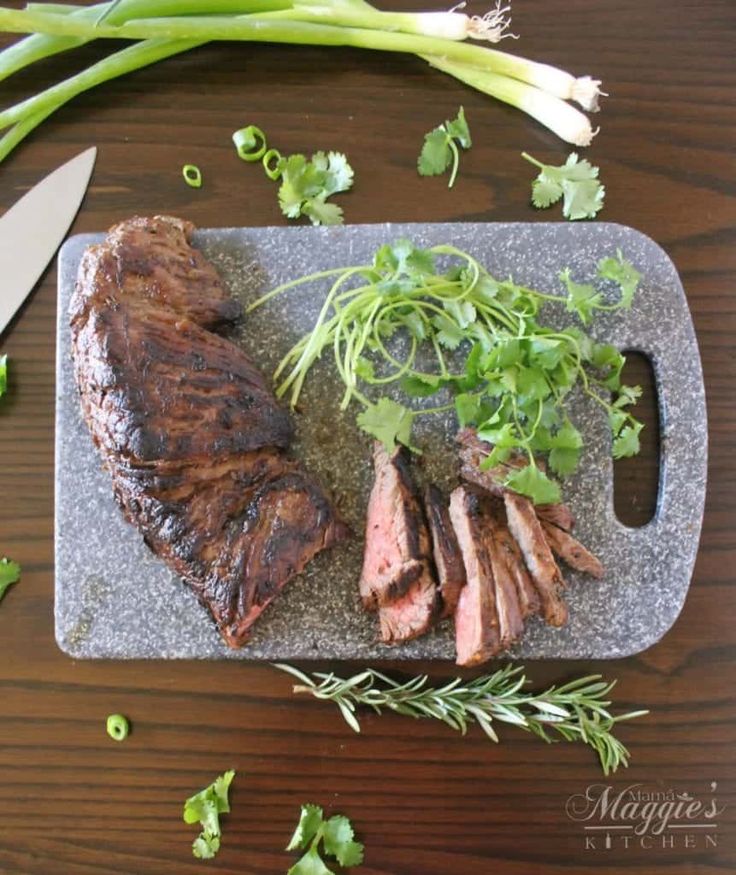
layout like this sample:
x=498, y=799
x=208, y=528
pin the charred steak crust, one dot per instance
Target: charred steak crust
x=448, y=560
x=397, y=543
x=187, y=426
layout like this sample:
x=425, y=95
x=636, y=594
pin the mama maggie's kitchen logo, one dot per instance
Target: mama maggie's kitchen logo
x=635, y=817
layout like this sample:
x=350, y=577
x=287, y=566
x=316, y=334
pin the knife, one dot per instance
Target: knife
x=33, y=228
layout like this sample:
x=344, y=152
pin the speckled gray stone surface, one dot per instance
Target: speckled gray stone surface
x=114, y=599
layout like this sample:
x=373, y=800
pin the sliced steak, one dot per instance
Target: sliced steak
x=187, y=426
x=411, y=614
x=448, y=560
x=510, y=619
x=527, y=530
x=397, y=544
x=477, y=634
x=572, y=551
x=526, y=593
x=558, y=515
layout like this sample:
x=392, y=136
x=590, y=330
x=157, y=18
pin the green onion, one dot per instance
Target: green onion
x=562, y=119
x=117, y=727
x=168, y=27
x=272, y=164
x=192, y=175
x=250, y=143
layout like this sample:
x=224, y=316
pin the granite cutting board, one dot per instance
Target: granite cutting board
x=114, y=599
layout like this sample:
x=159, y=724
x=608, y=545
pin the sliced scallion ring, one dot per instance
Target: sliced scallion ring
x=118, y=727
x=192, y=175
x=273, y=170
x=250, y=143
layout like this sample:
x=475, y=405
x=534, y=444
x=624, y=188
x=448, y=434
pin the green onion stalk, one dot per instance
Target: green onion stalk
x=163, y=28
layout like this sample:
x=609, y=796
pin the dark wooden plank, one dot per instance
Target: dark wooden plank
x=424, y=800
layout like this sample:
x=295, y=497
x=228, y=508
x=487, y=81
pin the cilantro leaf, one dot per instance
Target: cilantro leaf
x=440, y=150
x=583, y=199
x=321, y=213
x=627, y=441
x=468, y=409
x=364, y=369
x=339, y=841
x=336, y=836
x=306, y=185
x=205, y=808
x=339, y=176
x=449, y=333
x=505, y=437
x=545, y=192
x=3, y=374
x=546, y=353
x=310, y=864
x=9, y=574
x=415, y=324
x=463, y=312
x=421, y=385
x=627, y=395
x=582, y=298
x=535, y=484
x=575, y=181
x=458, y=129
x=310, y=821
x=435, y=156
x=388, y=421
x=205, y=846
x=622, y=272
x=563, y=460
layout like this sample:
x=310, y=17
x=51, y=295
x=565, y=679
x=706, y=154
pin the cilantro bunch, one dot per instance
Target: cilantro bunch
x=440, y=150
x=499, y=366
x=335, y=835
x=305, y=184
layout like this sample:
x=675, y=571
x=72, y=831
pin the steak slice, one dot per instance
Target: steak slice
x=448, y=560
x=477, y=634
x=527, y=595
x=412, y=614
x=571, y=550
x=187, y=426
x=397, y=547
x=527, y=530
x=558, y=515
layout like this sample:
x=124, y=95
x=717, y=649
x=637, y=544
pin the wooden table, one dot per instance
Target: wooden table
x=425, y=801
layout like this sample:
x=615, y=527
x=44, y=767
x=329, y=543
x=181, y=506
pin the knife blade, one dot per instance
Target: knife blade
x=33, y=228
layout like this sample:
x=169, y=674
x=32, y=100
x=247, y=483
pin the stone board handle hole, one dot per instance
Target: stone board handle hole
x=636, y=480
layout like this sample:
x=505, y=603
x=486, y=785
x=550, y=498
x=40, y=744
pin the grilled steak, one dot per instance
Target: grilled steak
x=186, y=425
x=397, y=546
x=526, y=529
x=571, y=550
x=477, y=634
x=526, y=594
x=411, y=614
x=558, y=515
x=448, y=560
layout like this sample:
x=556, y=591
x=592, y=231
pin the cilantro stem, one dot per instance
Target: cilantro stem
x=532, y=160
x=455, y=161
x=428, y=411
x=440, y=357
x=312, y=277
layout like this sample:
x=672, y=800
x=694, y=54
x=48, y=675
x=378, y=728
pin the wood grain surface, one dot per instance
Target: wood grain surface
x=73, y=802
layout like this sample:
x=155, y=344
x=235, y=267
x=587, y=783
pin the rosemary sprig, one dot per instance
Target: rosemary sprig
x=576, y=711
